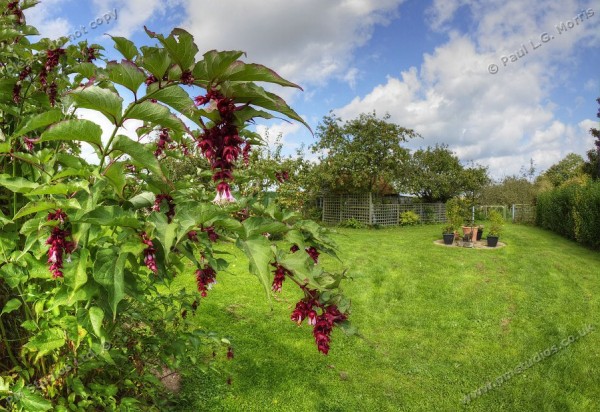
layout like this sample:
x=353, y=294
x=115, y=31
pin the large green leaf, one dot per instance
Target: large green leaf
x=110, y=216
x=259, y=253
x=126, y=47
x=109, y=272
x=81, y=130
x=180, y=45
x=33, y=402
x=105, y=101
x=80, y=276
x=126, y=74
x=139, y=153
x=96, y=315
x=115, y=173
x=175, y=97
x=156, y=114
x=258, y=225
x=144, y=199
x=17, y=184
x=46, y=341
x=257, y=96
x=60, y=188
x=11, y=306
x=156, y=61
x=165, y=232
x=40, y=120
x=214, y=63
x=239, y=71
x=42, y=205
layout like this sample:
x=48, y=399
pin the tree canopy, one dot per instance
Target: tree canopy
x=364, y=154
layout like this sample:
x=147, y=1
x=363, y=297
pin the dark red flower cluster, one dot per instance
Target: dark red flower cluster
x=90, y=54
x=205, y=279
x=187, y=78
x=17, y=93
x=52, y=57
x=322, y=324
x=171, y=204
x=52, y=93
x=13, y=6
x=59, y=243
x=150, y=79
x=221, y=144
x=313, y=253
x=163, y=139
x=29, y=142
x=149, y=253
x=282, y=176
x=193, y=236
x=212, y=235
x=279, y=276
x=294, y=248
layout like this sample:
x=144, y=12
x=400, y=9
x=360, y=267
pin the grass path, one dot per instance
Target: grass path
x=435, y=324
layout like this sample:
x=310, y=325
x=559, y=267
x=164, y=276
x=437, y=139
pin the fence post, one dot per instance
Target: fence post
x=513, y=213
x=370, y=208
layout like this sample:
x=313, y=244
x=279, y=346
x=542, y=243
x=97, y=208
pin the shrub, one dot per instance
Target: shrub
x=409, y=218
x=353, y=223
x=497, y=223
x=572, y=211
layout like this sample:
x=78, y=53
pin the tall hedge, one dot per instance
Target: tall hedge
x=572, y=211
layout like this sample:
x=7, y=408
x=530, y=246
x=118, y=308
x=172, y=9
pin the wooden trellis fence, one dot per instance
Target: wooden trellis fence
x=373, y=210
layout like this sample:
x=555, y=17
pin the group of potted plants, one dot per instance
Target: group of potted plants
x=455, y=216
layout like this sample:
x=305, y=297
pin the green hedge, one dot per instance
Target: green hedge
x=572, y=211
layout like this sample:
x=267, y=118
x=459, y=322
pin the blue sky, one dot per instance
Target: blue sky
x=426, y=63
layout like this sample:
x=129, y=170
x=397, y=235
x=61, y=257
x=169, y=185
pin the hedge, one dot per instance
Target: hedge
x=572, y=211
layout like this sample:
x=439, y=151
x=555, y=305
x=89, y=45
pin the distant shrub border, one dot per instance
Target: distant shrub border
x=572, y=211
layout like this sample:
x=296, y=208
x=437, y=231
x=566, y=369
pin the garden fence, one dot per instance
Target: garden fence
x=374, y=210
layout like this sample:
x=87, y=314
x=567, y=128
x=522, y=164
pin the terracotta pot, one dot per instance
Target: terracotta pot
x=467, y=230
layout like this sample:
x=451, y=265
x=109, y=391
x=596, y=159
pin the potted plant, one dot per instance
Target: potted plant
x=479, y=232
x=448, y=234
x=454, y=218
x=497, y=223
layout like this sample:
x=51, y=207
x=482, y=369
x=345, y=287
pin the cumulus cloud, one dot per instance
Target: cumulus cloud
x=500, y=120
x=46, y=17
x=307, y=41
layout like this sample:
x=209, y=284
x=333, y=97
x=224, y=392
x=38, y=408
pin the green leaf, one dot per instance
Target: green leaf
x=39, y=121
x=13, y=275
x=105, y=101
x=110, y=216
x=88, y=70
x=239, y=71
x=11, y=306
x=80, y=276
x=214, y=64
x=126, y=74
x=156, y=61
x=115, y=173
x=109, y=272
x=60, y=188
x=180, y=46
x=259, y=225
x=4, y=147
x=257, y=96
x=40, y=206
x=96, y=318
x=156, y=114
x=46, y=341
x=79, y=130
x=31, y=401
x=166, y=232
x=126, y=47
x=139, y=153
x=177, y=98
x=259, y=253
x=144, y=199
x=17, y=184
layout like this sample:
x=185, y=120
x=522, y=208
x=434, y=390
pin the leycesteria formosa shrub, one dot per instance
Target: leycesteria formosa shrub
x=89, y=245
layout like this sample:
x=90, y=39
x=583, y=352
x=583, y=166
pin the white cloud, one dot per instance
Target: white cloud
x=46, y=18
x=306, y=41
x=500, y=120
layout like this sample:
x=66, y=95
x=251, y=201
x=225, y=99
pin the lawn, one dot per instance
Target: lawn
x=435, y=324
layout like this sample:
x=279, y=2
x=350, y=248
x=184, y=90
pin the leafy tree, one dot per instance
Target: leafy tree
x=88, y=252
x=514, y=189
x=362, y=154
x=592, y=165
x=566, y=169
x=437, y=175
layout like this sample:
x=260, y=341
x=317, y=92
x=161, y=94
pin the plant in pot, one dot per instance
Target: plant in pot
x=448, y=234
x=454, y=217
x=497, y=223
x=479, y=232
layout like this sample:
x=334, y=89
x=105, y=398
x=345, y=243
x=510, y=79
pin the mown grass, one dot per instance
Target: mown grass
x=435, y=324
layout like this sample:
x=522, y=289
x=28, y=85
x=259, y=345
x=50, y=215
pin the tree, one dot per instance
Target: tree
x=361, y=155
x=437, y=175
x=592, y=165
x=566, y=169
